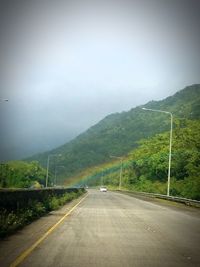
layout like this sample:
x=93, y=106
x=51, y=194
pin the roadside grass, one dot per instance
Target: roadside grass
x=11, y=221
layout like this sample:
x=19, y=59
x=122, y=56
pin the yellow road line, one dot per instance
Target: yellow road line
x=25, y=254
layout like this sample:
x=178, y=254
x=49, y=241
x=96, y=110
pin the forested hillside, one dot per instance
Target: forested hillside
x=119, y=133
x=146, y=167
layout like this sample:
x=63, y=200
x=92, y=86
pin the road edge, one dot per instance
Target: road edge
x=28, y=251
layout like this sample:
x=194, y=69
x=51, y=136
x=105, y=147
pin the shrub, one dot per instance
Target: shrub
x=11, y=220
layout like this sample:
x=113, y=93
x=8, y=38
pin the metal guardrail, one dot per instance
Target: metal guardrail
x=186, y=201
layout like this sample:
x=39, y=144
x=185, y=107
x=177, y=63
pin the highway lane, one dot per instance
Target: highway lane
x=111, y=229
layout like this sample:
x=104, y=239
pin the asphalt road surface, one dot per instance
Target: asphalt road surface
x=111, y=229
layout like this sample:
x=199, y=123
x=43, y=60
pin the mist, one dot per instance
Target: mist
x=64, y=65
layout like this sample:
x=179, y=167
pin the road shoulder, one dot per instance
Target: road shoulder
x=12, y=246
x=164, y=202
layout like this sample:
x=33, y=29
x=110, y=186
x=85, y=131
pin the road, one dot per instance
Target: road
x=111, y=229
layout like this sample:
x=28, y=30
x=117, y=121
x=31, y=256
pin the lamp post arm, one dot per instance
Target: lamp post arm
x=157, y=110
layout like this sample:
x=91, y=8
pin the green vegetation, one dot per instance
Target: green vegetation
x=12, y=219
x=142, y=135
x=119, y=133
x=21, y=174
x=146, y=168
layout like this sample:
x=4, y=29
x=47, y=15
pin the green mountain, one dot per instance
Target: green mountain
x=145, y=168
x=119, y=133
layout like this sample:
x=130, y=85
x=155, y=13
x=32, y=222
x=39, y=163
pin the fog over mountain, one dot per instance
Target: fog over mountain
x=64, y=65
x=119, y=133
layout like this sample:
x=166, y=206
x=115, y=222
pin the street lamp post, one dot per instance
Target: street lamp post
x=101, y=176
x=170, y=144
x=48, y=160
x=120, y=173
x=55, y=178
x=47, y=175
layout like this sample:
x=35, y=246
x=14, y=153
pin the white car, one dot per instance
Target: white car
x=103, y=189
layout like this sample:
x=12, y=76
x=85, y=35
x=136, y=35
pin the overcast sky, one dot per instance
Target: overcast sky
x=64, y=65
